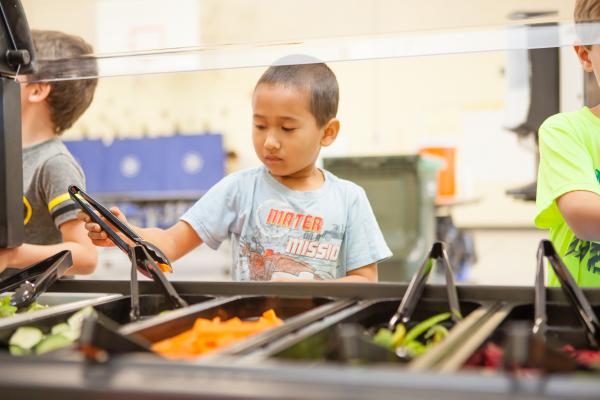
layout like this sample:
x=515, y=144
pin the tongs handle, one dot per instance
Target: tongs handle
x=573, y=292
x=29, y=288
x=418, y=282
x=541, y=316
x=77, y=194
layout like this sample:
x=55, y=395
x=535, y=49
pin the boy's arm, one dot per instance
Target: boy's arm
x=366, y=274
x=174, y=242
x=74, y=239
x=581, y=211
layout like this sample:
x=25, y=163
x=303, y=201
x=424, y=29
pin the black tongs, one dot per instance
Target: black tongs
x=145, y=257
x=34, y=280
x=574, y=294
x=417, y=285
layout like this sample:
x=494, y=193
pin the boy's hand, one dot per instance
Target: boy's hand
x=95, y=232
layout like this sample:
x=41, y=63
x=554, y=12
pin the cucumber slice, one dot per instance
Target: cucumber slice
x=18, y=350
x=76, y=319
x=26, y=337
x=60, y=328
x=52, y=342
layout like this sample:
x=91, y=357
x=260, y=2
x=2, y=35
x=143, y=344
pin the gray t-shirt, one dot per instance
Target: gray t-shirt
x=279, y=232
x=48, y=170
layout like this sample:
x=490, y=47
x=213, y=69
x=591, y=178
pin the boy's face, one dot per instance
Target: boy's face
x=285, y=134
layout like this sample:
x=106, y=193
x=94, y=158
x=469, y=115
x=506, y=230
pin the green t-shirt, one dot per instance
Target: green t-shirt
x=569, y=161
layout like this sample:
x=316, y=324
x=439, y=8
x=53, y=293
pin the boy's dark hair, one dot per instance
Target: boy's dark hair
x=587, y=11
x=68, y=99
x=315, y=77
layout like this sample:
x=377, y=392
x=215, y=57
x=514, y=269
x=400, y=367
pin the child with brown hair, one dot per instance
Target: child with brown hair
x=47, y=110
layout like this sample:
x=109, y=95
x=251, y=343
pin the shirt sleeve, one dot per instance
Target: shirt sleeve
x=565, y=166
x=363, y=242
x=213, y=216
x=57, y=174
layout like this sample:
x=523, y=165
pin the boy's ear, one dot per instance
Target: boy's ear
x=38, y=92
x=332, y=128
x=583, y=54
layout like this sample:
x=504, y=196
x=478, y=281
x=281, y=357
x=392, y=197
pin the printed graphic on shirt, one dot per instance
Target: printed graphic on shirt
x=289, y=243
x=26, y=211
x=582, y=249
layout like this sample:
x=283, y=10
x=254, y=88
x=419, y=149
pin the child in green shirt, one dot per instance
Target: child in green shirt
x=568, y=191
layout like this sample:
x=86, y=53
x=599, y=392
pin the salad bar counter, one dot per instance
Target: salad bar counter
x=329, y=341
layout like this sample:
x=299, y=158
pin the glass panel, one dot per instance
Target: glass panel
x=194, y=35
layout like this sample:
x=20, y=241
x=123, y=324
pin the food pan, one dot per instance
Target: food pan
x=57, y=303
x=321, y=341
x=562, y=328
x=115, y=307
x=296, y=312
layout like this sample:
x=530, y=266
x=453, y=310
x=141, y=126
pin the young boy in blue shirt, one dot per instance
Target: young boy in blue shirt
x=288, y=219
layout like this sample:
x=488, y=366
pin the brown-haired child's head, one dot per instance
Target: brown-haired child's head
x=67, y=100
x=587, y=10
x=587, y=17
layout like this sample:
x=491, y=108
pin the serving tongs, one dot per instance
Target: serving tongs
x=34, y=280
x=352, y=344
x=574, y=294
x=145, y=257
x=437, y=255
x=530, y=346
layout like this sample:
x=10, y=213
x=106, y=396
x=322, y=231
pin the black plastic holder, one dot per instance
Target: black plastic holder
x=34, y=280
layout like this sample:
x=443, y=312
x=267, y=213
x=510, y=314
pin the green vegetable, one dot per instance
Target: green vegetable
x=18, y=351
x=399, y=335
x=414, y=348
x=436, y=333
x=60, y=328
x=52, y=342
x=35, y=306
x=76, y=319
x=384, y=337
x=6, y=310
x=26, y=337
x=425, y=326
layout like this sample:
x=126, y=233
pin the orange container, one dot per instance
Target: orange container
x=446, y=182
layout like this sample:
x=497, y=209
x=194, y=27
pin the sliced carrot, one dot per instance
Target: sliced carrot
x=208, y=335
